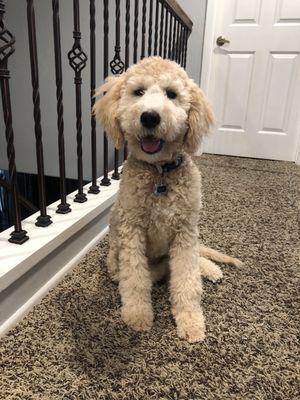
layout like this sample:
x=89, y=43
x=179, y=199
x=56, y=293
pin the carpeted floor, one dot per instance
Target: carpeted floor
x=74, y=346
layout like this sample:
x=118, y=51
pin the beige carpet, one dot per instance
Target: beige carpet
x=74, y=346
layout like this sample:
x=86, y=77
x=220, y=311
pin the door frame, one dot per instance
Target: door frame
x=208, y=43
x=207, y=59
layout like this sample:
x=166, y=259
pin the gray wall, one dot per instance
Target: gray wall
x=21, y=91
x=196, y=10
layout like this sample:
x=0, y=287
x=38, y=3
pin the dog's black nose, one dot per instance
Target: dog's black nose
x=150, y=119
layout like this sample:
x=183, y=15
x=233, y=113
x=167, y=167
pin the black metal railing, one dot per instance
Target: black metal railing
x=151, y=27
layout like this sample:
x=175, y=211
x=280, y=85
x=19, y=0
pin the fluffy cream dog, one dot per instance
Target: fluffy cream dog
x=162, y=115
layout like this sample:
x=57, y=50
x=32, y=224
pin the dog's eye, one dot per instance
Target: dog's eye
x=171, y=94
x=139, y=92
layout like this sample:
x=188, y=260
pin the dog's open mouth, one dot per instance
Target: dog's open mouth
x=151, y=144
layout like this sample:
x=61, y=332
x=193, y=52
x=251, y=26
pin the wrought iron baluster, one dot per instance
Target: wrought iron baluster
x=156, y=28
x=94, y=188
x=166, y=33
x=177, y=41
x=150, y=28
x=135, y=31
x=127, y=33
x=185, y=38
x=63, y=207
x=105, y=181
x=181, y=44
x=144, y=11
x=161, y=34
x=7, y=42
x=174, y=39
x=182, y=36
x=170, y=36
x=180, y=30
x=43, y=219
x=117, y=67
x=77, y=60
x=185, y=47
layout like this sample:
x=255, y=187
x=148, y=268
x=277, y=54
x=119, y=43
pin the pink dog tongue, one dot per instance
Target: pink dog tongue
x=150, y=144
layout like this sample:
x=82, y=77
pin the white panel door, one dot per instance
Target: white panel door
x=254, y=81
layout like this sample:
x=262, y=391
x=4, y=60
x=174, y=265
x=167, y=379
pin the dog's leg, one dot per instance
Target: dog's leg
x=113, y=253
x=113, y=260
x=135, y=281
x=219, y=257
x=186, y=287
x=210, y=270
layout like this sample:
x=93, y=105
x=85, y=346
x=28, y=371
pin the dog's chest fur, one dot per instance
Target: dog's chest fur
x=160, y=217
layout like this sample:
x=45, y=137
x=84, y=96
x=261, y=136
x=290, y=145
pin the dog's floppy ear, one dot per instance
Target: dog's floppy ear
x=106, y=108
x=200, y=118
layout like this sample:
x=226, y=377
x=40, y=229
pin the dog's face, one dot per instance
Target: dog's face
x=156, y=108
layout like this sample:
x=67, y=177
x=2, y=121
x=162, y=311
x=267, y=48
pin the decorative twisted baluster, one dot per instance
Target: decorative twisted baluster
x=63, y=207
x=144, y=11
x=43, y=219
x=170, y=36
x=174, y=39
x=77, y=60
x=7, y=42
x=166, y=33
x=185, y=47
x=105, y=181
x=181, y=44
x=177, y=41
x=117, y=67
x=127, y=33
x=156, y=28
x=150, y=28
x=183, y=29
x=161, y=35
x=94, y=188
x=135, y=30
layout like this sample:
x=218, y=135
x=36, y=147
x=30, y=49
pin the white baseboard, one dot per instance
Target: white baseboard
x=22, y=310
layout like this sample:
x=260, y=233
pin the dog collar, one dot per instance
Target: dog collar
x=170, y=166
x=161, y=188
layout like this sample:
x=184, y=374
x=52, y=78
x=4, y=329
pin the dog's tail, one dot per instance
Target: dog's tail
x=219, y=257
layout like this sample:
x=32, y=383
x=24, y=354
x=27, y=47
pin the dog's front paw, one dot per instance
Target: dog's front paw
x=139, y=318
x=191, y=326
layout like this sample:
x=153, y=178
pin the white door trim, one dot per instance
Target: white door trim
x=208, y=47
x=209, y=43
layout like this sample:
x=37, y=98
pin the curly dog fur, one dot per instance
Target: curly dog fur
x=150, y=235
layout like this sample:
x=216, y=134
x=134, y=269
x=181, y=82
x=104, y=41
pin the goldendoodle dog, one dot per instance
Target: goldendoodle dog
x=162, y=115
